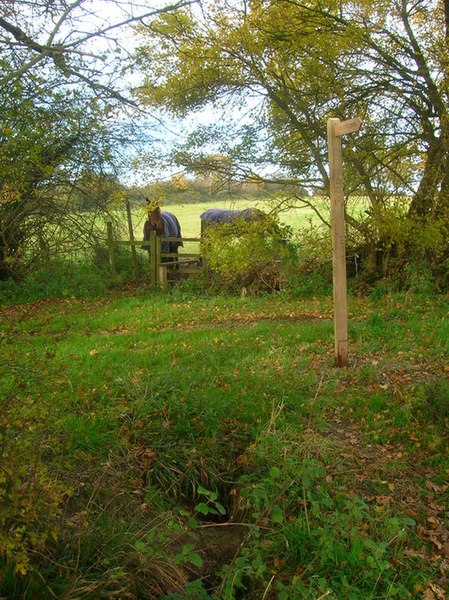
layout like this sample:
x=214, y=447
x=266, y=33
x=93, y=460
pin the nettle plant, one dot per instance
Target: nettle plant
x=252, y=255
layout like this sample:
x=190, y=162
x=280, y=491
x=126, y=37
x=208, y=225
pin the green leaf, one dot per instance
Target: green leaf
x=196, y=560
x=208, y=493
x=221, y=509
x=275, y=473
x=277, y=514
x=192, y=523
x=202, y=508
x=140, y=546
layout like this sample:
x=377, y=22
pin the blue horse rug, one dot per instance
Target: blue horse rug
x=172, y=228
x=219, y=215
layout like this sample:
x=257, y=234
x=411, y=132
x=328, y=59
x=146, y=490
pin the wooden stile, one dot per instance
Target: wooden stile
x=163, y=277
x=189, y=261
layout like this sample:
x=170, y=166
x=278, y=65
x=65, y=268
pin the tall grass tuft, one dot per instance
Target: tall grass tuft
x=433, y=404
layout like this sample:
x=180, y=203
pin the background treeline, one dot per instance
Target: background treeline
x=87, y=114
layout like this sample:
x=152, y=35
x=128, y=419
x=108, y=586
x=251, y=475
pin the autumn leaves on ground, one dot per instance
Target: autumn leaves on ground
x=186, y=446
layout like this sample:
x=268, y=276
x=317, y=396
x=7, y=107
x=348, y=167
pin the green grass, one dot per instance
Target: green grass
x=183, y=446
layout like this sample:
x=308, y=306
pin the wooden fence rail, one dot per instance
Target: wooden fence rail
x=158, y=269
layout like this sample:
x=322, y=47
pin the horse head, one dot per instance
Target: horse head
x=155, y=221
x=164, y=224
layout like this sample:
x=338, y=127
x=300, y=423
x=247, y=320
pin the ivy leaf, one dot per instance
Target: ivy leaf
x=202, y=508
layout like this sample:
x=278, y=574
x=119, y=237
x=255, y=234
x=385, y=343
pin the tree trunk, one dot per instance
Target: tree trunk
x=11, y=238
x=423, y=204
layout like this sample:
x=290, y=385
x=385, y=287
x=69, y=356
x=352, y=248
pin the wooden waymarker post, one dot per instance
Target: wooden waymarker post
x=335, y=129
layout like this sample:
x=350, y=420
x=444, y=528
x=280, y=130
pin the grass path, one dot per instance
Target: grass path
x=208, y=445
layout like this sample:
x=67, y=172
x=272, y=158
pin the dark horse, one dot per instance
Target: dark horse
x=219, y=215
x=165, y=224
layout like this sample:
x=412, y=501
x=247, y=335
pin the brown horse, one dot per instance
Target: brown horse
x=165, y=224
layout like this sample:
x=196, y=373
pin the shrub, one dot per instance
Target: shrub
x=311, y=274
x=65, y=278
x=58, y=279
x=253, y=255
x=394, y=245
x=30, y=496
x=433, y=404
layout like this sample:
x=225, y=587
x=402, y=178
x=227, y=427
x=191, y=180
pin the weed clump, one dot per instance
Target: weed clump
x=433, y=404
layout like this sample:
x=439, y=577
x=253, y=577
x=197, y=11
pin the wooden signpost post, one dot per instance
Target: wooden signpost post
x=335, y=129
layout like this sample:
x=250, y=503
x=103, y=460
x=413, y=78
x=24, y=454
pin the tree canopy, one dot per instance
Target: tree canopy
x=276, y=69
x=71, y=41
x=62, y=87
x=306, y=62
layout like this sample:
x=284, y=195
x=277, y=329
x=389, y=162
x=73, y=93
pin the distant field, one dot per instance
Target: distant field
x=189, y=214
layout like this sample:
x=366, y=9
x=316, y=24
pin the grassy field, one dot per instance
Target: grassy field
x=180, y=446
x=297, y=217
x=188, y=214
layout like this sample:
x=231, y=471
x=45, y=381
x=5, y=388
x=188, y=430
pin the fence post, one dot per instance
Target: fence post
x=204, y=262
x=163, y=277
x=111, y=250
x=131, y=237
x=153, y=258
x=335, y=129
x=157, y=280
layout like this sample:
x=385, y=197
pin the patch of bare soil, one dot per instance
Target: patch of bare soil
x=218, y=544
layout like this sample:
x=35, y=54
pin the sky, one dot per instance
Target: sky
x=89, y=17
x=165, y=130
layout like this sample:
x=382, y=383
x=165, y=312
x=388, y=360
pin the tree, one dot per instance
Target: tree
x=70, y=41
x=306, y=61
x=61, y=90
x=44, y=150
x=216, y=169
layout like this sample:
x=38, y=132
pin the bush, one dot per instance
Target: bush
x=310, y=285
x=312, y=273
x=393, y=245
x=58, y=279
x=252, y=255
x=30, y=496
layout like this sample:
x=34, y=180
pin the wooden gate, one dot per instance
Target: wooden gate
x=186, y=263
